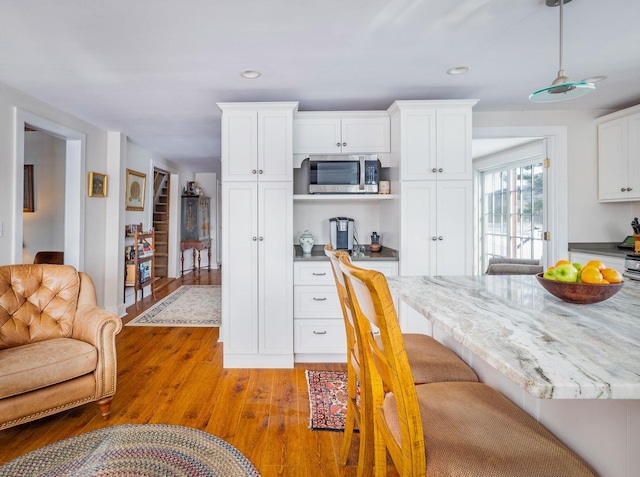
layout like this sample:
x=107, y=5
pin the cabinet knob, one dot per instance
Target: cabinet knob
x=324, y=298
x=434, y=238
x=628, y=189
x=440, y=170
x=261, y=239
x=260, y=171
x=253, y=171
x=434, y=170
x=338, y=144
x=622, y=189
x=255, y=238
x=319, y=332
x=440, y=238
x=344, y=143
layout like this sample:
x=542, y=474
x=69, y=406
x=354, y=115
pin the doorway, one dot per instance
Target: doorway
x=554, y=139
x=73, y=185
x=161, y=215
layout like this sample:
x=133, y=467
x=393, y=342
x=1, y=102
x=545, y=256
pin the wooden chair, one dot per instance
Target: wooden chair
x=430, y=362
x=442, y=429
x=55, y=258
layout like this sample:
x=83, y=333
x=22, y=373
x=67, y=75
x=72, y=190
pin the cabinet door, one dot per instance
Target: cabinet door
x=366, y=135
x=634, y=156
x=418, y=144
x=418, y=228
x=613, y=153
x=453, y=150
x=240, y=267
x=239, y=138
x=317, y=136
x=275, y=269
x=275, y=145
x=454, y=228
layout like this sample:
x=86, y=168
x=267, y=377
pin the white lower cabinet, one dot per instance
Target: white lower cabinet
x=257, y=275
x=319, y=334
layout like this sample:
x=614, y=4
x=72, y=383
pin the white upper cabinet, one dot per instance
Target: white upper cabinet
x=341, y=133
x=257, y=141
x=434, y=139
x=619, y=159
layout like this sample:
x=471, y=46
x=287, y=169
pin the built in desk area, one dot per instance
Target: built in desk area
x=576, y=368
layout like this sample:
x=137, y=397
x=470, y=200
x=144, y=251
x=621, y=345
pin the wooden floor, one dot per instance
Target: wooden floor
x=175, y=376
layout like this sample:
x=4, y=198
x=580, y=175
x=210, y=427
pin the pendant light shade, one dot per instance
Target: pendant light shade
x=562, y=87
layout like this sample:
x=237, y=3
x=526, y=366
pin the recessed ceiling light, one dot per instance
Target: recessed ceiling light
x=594, y=79
x=250, y=74
x=458, y=70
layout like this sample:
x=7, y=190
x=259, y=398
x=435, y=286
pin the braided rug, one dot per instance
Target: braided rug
x=148, y=450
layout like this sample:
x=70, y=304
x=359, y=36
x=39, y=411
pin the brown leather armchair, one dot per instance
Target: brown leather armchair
x=57, y=347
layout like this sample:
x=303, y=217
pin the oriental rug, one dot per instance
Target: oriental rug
x=327, y=400
x=151, y=450
x=189, y=305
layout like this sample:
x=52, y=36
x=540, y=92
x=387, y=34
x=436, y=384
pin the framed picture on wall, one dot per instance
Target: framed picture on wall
x=136, y=182
x=97, y=184
x=28, y=201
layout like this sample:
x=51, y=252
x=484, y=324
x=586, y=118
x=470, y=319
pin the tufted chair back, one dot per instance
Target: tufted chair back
x=37, y=302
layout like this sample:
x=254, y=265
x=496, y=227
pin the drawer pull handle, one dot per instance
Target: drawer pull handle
x=319, y=299
x=315, y=274
x=319, y=332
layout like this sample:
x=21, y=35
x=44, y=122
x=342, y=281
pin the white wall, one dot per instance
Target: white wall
x=43, y=229
x=588, y=219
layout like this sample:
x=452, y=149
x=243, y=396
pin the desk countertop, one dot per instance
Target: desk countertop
x=550, y=348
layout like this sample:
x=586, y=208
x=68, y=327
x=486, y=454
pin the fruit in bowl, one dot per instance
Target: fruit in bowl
x=576, y=283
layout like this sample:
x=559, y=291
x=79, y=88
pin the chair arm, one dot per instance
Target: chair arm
x=99, y=328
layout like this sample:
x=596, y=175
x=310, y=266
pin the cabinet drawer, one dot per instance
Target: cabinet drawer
x=316, y=302
x=313, y=273
x=319, y=336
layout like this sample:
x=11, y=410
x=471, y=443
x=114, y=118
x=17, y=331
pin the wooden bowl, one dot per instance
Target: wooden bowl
x=582, y=293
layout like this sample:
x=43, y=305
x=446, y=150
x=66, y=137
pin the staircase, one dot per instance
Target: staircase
x=161, y=221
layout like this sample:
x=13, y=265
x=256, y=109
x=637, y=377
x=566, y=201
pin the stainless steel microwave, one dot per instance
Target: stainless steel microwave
x=355, y=174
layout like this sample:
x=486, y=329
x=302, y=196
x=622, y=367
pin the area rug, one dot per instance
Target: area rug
x=146, y=450
x=327, y=399
x=189, y=305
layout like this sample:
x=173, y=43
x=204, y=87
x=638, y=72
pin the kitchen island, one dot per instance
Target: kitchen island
x=576, y=368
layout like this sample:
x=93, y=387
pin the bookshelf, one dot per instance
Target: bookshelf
x=139, y=260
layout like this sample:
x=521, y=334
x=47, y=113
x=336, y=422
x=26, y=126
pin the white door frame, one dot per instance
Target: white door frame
x=556, y=138
x=74, y=186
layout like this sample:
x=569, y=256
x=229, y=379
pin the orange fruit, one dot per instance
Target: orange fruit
x=596, y=263
x=611, y=275
x=591, y=275
x=561, y=262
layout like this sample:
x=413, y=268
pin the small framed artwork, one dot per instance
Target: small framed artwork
x=97, y=184
x=136, y=182
x=28, y=201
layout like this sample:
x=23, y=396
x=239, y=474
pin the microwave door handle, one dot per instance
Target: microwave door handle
x=362, y=172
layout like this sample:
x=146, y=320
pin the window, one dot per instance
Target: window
x=512, y=211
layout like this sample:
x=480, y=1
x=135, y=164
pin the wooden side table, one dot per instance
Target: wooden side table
x=196, y=245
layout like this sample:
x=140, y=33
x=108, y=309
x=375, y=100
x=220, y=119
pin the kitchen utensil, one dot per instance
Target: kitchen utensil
x=636, y=226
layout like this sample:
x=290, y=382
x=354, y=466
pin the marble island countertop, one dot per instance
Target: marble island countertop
x=317, y=253
x=550, y=348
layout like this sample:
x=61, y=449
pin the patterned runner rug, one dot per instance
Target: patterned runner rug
x=151, y=450
x=327, y=399
x=189, y=305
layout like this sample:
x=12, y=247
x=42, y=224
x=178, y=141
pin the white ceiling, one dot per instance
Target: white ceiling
x=155, y=69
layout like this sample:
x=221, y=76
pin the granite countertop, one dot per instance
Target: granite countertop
x=600, y=248
x=317, y=253
x=548, y=347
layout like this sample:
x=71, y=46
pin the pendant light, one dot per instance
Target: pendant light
x=562, y=87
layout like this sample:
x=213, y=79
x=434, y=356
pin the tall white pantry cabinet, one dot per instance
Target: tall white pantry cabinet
x=431, y=140
x=257, y=227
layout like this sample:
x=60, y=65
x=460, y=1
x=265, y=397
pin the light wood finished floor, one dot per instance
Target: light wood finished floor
x=175, y=376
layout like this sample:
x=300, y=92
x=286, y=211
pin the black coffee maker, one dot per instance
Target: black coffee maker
x=341, y=233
